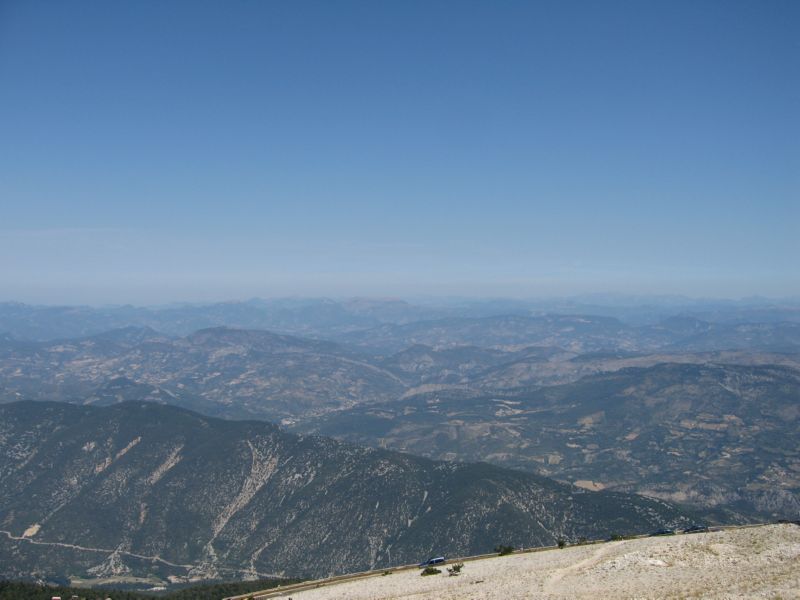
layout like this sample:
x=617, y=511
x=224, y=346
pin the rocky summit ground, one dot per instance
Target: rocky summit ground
x=754, y=562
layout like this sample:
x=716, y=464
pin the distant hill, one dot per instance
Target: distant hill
x=253, y=373
x=580, y=333
x=231, y=372
x=145, y=493
x=715, y=435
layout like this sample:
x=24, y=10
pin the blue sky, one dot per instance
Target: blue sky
x=153, y=151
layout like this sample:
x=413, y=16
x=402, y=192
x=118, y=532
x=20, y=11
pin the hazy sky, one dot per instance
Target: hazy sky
x=153, y=151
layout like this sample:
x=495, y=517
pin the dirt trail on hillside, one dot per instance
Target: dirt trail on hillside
x=550, y=586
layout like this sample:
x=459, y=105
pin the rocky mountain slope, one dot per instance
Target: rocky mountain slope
x=146, y=493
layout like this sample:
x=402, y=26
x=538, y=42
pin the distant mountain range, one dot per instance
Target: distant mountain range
x=142, y=493
x=617, y=322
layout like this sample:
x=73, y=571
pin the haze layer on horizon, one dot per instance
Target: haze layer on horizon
x=197, y=151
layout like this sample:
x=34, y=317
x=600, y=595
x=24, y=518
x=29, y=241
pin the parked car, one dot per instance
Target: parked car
x=696, y=529
x=432, y=561
x=663, y=531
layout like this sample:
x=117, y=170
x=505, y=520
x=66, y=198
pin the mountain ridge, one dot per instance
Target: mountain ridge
x=138, y=481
